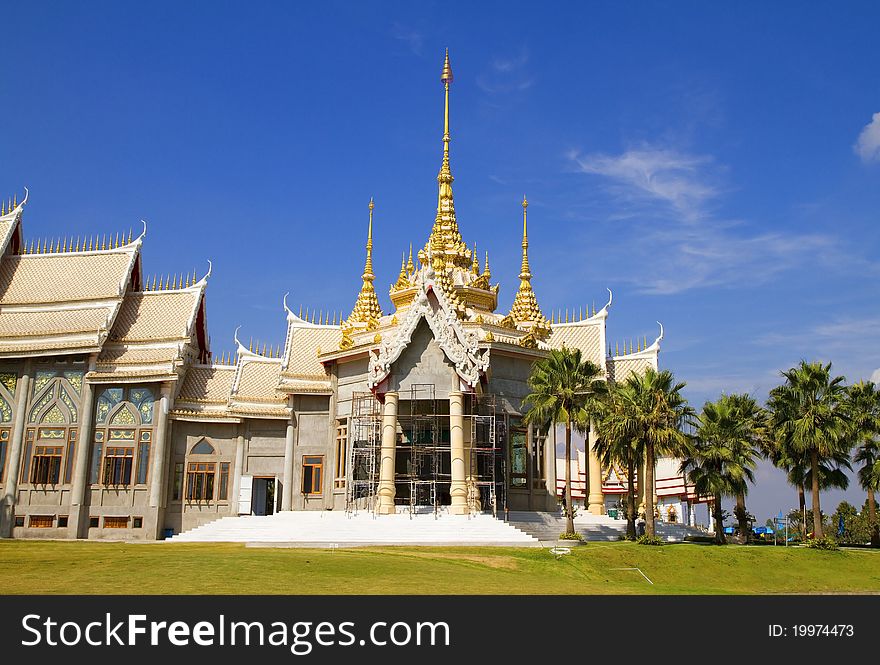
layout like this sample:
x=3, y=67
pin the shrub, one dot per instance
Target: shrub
x=826, y=543
x=571, y=536
x=649, y=540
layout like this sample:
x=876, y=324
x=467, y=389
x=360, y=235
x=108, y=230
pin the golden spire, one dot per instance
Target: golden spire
x=525, y=304
x=445, y=249
x=366, y=308
x=475, y=266
x=410, y=266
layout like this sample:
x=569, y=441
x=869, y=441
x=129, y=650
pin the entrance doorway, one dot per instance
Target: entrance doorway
x=263, y=496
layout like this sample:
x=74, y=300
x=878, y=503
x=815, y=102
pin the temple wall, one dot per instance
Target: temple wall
x=182, y=514
x=423, y=362
x=314, y=438
x=351, y=378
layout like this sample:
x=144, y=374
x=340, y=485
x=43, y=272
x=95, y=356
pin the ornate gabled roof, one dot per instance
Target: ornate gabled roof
x=62, y=301
x=153, y=335
x=255, y=387
x=525, y=310
x=66, y=277
x=205, y=392
x=301, y=369
x=619, y=367
x=9, y=222
x=588, y=334
x=460, y=346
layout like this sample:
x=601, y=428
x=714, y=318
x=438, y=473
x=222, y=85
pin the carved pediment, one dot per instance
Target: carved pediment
x=459, y=346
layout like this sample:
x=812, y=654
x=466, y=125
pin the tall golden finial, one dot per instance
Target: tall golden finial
x=486, y=271
x=31, y=250
x=300, y=311
x=366, y=307
x=475, y=266
x=525, y=304
x=3, y=208
x=617, y=349
x=117, y=240
x=410, y=266
x=128, y=242
x=14, y=202
x=646, y=342
x=445, y=249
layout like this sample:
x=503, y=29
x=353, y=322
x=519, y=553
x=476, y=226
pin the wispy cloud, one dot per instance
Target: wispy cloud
x=654, y=175
x=507, y=74
x=851, y=343
x=670, y=198
x=868, y=144
x=412, y=38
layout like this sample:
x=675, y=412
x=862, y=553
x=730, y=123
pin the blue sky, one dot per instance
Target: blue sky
x=717, y=167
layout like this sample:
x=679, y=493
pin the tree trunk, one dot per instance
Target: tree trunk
x=630, y=499
x=719, y=522
x=802, y=505
x=742, y=518
x=872, y=520
x=649, y=489
x=817, y=509
x=569, y=520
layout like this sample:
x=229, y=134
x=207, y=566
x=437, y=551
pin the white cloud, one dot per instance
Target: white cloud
x=659, y=174
x=410, y=37
x=868, y=145
x=875, y=377
x=507, y=74
x=669, y=198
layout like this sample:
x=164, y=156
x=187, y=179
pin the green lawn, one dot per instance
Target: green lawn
x=53, y=567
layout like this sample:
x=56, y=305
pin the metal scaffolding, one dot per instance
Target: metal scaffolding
x=423, y=454
x=485, y=486
x=365, y=441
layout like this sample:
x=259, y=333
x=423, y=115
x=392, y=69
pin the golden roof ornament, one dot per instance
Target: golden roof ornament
x=366, y=308
x=525, y=305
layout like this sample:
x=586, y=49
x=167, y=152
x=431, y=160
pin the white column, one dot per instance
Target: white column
x=387, y=453
x=550, y=468
x=236, y=476
x=287, y=481
x=22, y=389
x=458, y=487
x=79, y=513
x=159, y=447
x=595, y=499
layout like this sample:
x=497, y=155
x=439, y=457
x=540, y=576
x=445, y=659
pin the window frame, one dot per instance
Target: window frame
x=316, y=488
x=341, y=468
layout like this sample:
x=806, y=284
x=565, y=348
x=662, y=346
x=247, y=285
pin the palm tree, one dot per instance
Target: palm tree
x=564, y=389
x=748, y=445
x=722, y=460
x=864, y=410
x=616, y=446
x=809, y=419
x=653, y=414
x=832, y=473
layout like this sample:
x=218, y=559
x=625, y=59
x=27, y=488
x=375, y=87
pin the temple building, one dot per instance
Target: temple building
x=116, y=420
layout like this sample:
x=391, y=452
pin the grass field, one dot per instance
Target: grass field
x=53, y=567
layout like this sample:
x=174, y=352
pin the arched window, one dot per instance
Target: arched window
x=207, y=477
x=123, y=435
x=53, y=418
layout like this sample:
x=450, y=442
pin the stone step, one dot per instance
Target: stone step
x=297, y=528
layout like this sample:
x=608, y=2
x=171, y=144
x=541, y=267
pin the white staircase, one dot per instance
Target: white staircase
x=547, y=526
x=340, y=529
